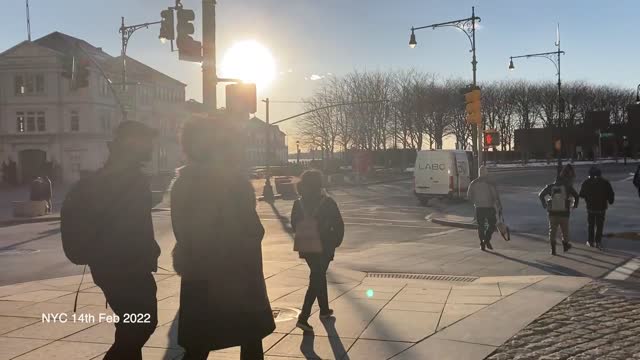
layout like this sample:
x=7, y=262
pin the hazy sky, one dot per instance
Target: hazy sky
x=337, y=36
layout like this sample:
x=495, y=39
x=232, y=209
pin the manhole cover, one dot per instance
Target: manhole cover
x=281, y=314
x=18, y=252
x=421, y=277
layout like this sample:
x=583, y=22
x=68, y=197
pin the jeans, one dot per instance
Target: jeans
x=317, y=289
x=556, y=221
x=249, y=351
x=129, y=293
x=486, y=218
x=596, y=223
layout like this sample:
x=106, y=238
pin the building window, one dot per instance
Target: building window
x=29, y=84
x=42, y=124
x=31, y=121
x=75, y=121
x=20, y=122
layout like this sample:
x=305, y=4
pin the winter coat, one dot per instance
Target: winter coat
x=126, y=240
x=570, y=191
x=330, y=224
x=483, y=193
x=597, y=192
x=223, y=298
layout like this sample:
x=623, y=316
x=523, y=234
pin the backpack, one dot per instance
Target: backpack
x=77, y=221
x=558, y=201
x=307, y=238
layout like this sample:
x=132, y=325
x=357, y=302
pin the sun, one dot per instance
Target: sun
x=251, y=62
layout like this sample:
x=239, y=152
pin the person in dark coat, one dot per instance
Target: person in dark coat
x=314, y=202
x=598, y=194
x=556, y=199
x=636, y=180
x=218, y=252
x=48, y=193
x=128, y=251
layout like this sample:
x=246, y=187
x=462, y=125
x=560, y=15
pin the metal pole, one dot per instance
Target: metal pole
x=477, y=131
x=209, y=77
x=267, y=155
x=560, y=110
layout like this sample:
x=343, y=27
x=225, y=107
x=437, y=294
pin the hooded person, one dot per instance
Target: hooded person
x=598, y=194
x=218, y=252
x=556, y=199
x=483, y=194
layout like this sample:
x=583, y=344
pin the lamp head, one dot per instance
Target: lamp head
x=412, y=40
x=511, y=67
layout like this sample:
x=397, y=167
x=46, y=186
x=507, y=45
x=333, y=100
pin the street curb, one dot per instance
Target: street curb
x=455, y=224
x=370, y=183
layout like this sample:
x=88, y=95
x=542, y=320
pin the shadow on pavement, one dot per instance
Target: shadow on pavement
x=546, y=267
x=306, y=347
x=284, y=221
x=42, y=235
x=339, y=352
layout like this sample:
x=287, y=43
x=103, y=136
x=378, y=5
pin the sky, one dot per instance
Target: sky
x=311, y=37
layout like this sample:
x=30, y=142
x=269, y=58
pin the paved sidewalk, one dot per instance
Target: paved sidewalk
x=376, y=318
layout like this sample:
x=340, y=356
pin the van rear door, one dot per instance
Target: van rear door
x=431, y=175
x=462, y=173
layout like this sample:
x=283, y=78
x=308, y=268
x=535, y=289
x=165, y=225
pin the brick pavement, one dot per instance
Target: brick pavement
x=599, y=321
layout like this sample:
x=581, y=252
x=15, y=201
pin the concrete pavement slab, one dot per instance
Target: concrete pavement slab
x=11, y=348
x=170, y=303
x=397, y=325
x=312, y=347
x=49, y=331
x=10, y=323
x=512, y=313
x=102, y=333
x=375, y=349
x=9, y=308
x=456, y=312
x=441, y=349
x=165, y=337
x=472, y=300
x=65, y=350
x=414, y=306
x=84, y=298
x=431, y=296
x=36, y=296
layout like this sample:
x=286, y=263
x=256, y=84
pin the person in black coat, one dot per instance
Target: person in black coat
x=314, y=202
x=218, y=252
x=636, y=180
x=598, y=194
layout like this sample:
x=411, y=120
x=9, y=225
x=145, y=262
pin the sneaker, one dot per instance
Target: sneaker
x=326, y=315
x=482, y=245
x=304, y=326
x=566, y=247
x=488, y=245
x=589, y=244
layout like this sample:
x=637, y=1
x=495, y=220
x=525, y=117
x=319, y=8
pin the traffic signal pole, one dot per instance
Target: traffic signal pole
x=209, y=77
x=478, y=129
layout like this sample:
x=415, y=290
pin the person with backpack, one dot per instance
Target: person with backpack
x=218, y=251
x=106, y=224
x=556, y=199
x=319, y=230
x=598, y=194
x=483, y=194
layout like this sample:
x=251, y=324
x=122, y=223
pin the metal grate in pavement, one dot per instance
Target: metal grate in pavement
x=421, y=277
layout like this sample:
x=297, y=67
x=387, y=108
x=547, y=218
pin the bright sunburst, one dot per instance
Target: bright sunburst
x=251, y=62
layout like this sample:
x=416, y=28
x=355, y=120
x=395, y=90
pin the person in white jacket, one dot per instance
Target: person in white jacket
x=484, y=196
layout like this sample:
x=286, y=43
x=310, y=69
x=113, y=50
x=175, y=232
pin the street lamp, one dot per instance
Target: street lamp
x=554, y=57
x=468, y=27
x=297, y=152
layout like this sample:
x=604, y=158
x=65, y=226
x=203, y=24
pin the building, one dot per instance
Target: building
x=257, y=144
x=49, y=126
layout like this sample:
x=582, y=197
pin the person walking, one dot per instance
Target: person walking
x=218, y=251
x=48, y=191
x=121, y=249
x=316, y=215
x=636, y=180
x=598, y=194
x=483, y=194
x=569, y=173
x=556, y=199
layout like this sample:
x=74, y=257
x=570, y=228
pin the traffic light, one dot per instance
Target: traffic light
x=241, y=98
x=167, y=26
x=189, y=49
x=82, y=73
x=472, y=99
x=491, y=138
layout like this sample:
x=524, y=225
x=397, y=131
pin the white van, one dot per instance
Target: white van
x=442, y=173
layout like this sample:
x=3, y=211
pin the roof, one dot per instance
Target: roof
x=67, y=44
x=146, y=72
x=257, y=122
